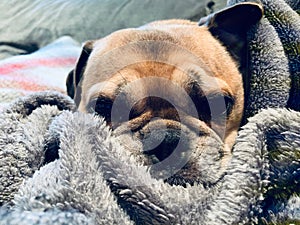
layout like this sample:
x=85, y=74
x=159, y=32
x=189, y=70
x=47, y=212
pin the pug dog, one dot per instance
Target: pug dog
x=172, y=91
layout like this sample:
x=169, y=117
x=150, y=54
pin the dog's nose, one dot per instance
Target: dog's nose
x=161, y=143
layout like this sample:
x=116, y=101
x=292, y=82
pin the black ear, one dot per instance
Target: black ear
x=75, y=76
x=231, y=24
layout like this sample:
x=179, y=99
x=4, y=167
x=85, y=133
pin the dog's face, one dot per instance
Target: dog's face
x=173, y=87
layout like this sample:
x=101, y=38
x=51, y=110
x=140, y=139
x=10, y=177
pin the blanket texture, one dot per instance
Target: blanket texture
x=58, y=166
x=45, y=69
x=274, y=46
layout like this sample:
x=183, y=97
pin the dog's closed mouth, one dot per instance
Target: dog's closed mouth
x=176, y=153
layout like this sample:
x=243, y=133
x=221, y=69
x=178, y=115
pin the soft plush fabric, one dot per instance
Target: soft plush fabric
x=273, y=75
x=27, y=25
x=95, y=181
x=58, y=166
x=42, y=70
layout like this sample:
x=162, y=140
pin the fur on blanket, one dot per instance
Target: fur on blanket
x=59, y=166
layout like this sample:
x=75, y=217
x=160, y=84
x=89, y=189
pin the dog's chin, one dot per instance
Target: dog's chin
x=198, y=157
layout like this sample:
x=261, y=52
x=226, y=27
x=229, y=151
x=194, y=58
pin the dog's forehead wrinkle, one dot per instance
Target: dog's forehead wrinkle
x=203, y=85
x=96, y=91
x=150, y=42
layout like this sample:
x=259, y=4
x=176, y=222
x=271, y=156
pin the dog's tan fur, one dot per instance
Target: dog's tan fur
x=219, y=72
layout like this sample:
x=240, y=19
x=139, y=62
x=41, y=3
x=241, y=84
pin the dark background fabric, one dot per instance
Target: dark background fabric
x=27, y=25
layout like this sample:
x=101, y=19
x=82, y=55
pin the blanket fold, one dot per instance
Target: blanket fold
x=273, y=75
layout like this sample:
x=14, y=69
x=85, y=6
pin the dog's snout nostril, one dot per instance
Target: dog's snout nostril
x=167, y=146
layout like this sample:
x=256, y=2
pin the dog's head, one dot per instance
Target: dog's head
x=173, y=87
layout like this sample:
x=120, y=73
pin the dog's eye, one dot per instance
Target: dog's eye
x=101, y=107
x=220, y=105
x=229, y=102
x=213, y=107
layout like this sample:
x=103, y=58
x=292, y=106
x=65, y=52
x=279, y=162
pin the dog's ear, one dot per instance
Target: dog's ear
x=231, y=24
x=75, y=76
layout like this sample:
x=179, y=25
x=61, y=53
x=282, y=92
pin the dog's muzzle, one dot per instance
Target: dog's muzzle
x=160, y=138
x=176, y=152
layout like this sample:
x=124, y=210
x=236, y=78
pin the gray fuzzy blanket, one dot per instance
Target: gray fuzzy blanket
x=58, y=166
